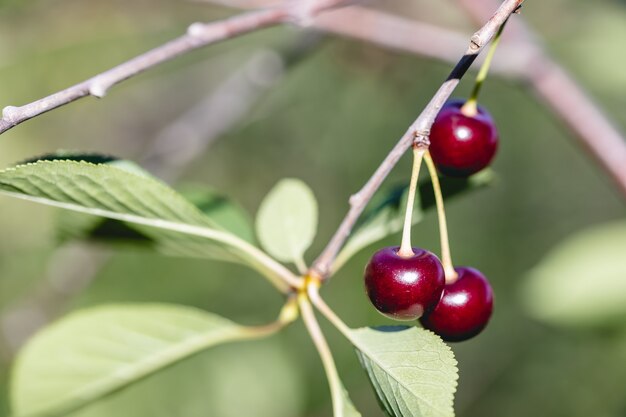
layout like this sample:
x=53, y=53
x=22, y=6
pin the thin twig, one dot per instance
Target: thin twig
x=329, y=313
x=419, y=129
x=197, y=36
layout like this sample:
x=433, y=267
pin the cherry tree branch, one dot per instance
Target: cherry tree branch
x=197, y=36
x=418, y=131
x=399, y=33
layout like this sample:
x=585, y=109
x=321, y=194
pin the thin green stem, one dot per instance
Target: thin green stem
x=446, y=257
x=313, y=327
x=470, y=108
x=320, y=304
x=300, y=265
x=406, y=250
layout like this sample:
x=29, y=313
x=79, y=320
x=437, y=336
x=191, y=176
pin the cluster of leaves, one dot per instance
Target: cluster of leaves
x=93, y=353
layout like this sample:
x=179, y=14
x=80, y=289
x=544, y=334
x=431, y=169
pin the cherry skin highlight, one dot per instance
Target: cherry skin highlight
x=464, y=309
x=462, y=145
x=404, y=288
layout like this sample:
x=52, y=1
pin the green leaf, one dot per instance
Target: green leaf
x=211, y=383
x=349, y=410
x=581, y=282
x=412, y=371
x=222, y=212
x=287, y=220
x=387, y=217
x=93, y=353
x=156, y=210
x=72, y=225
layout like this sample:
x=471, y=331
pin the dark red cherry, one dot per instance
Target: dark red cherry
x=404, y=288
x=464, y=309
x=462, y=145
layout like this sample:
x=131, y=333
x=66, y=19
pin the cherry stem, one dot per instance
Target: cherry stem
x=446, y=258
x=406, y=250
x=320, y=304
x=313, y=327
x=470, y=108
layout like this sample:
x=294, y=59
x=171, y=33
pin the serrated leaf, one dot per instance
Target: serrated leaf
x=412, y=370
x=72, y=225
x=287, y=220
x=64, y=155
x=387, y=217
x=154, y=208
x=582, y=281
x=222, y=212
x=79, y=226
x=92, y=353
x=218, y=208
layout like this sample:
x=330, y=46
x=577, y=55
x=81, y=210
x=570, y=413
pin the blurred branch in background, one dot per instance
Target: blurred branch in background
x=395, y=32
x=197, y=36
x=71, y=268
x=190, y=135
x=520, y=56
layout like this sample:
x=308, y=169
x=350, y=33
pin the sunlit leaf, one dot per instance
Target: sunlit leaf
x=287, y=220
x=71, y=225
x=222, y=212
x=412, y=370
x=581, y=282
x=93, y=353
x=152, y=207
x=349, y=410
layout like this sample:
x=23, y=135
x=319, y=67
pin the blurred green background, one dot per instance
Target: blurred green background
x=329, y=120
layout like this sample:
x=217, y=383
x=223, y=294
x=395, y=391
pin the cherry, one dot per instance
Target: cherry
x=403, y=288
x=462, y=144
x=464, y=309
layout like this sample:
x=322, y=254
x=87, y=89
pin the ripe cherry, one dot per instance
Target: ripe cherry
x=464, y=309
x=403, y=288
x=462, y=143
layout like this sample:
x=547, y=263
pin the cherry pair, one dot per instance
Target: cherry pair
x=407, y=283
x=410, y=288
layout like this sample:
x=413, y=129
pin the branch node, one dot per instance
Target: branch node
x=421, y=138
x=196, y=29
x=98, y=88
x=355, y=199
x=303, y=12
x=10, y=113
x=475, y=42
